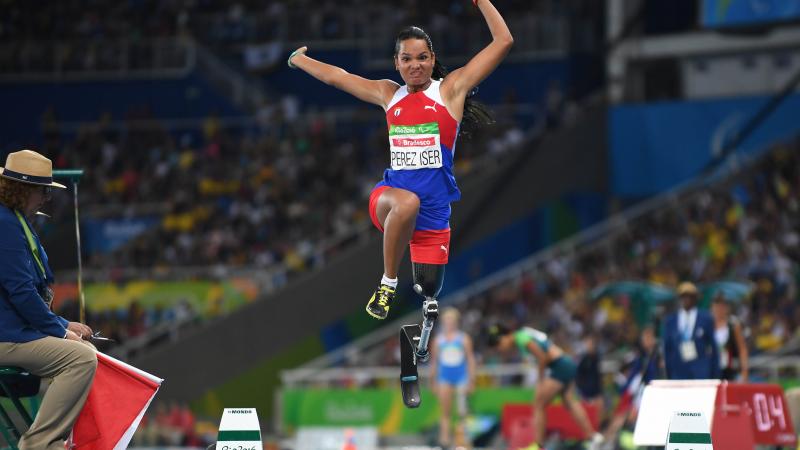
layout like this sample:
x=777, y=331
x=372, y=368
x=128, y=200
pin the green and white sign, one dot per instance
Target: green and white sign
x=689, y=430
x=239, y=430
x=383, y=408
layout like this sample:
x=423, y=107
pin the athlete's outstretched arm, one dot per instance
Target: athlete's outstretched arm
x=378, y=92
x=460, y=81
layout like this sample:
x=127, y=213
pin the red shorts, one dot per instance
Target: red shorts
x=625, y=404
x=427, y=246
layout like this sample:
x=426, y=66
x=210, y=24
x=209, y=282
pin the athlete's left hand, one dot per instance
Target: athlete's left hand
x=300, y=51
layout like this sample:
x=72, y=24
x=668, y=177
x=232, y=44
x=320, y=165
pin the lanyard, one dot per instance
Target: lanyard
x=688, y=326
x=32, y=243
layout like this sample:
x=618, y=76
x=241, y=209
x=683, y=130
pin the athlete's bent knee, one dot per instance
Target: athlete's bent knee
x=407, y=207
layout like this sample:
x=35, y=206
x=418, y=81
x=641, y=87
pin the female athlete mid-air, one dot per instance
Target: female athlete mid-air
x=411, y=205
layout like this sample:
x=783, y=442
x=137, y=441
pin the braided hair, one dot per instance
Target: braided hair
x=476, y=114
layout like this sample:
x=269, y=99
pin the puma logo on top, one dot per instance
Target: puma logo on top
x=433, y=107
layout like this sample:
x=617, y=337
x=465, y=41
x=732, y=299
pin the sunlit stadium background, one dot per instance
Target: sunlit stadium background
x=226, y=241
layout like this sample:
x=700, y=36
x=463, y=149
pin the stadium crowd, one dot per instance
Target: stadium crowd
x=745, y=229
x=78, y=36
x=234, y=21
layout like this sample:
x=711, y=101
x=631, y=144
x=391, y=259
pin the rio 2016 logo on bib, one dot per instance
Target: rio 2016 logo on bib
x=414, y=147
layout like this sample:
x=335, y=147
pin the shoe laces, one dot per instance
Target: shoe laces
x=384, y=295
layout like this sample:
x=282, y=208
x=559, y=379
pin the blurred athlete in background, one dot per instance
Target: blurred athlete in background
x=556, y=377
x=453, y=373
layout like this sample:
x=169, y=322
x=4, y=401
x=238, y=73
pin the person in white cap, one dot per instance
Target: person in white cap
x=31, y=335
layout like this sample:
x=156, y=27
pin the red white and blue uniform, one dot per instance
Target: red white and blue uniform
x=422, y=144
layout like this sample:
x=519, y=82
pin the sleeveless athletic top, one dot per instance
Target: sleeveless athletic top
x=452, y=359
x=525, y=335
x=726, y=342
x=562, y=369
x=422, y=143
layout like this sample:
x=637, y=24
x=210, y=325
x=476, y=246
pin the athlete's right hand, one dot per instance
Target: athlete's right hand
x=300, y=51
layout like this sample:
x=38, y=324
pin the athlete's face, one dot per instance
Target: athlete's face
x=414, y=62
x=450, y=322
x=719, y=310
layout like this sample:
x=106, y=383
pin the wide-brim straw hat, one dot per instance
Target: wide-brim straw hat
x=687, y=288
x=29, y=167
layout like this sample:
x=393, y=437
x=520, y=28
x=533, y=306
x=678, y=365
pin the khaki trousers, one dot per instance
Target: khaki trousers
x=71, y=365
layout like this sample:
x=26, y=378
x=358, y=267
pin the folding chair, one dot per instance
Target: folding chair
x=16, y=383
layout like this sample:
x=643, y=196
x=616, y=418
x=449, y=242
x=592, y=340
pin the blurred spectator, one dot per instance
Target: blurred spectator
x=173, y=425
x=730, y=338
x=588, y=379
x=690, y=351
x=644, y=367
x=136, y=320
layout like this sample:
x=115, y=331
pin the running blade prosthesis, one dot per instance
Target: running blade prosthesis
x=414, y=349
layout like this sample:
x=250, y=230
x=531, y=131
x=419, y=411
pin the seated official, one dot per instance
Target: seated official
x=31, y=336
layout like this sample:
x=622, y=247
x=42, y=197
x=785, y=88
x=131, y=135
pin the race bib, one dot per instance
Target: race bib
x=414, y=147
x=452, y=356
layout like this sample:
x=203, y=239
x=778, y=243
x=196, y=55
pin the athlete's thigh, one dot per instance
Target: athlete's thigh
x=547, y=390
x=392, y=197
x=444, y=392
x=570, y=395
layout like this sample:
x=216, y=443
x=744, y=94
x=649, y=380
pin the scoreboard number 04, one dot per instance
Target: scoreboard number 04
x=766, y=408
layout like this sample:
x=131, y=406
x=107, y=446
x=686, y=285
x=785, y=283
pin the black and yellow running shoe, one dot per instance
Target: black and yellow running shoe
x=378, y=306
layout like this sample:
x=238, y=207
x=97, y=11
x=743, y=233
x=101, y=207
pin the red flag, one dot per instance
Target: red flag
x=119, y=397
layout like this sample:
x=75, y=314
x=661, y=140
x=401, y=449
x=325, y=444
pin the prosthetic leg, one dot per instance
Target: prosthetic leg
x=428, y=280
